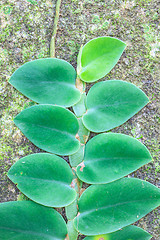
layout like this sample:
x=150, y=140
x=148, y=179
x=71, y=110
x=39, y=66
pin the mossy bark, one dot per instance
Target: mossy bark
x=26, y=33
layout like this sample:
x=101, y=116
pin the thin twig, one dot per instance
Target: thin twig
x=52, y=43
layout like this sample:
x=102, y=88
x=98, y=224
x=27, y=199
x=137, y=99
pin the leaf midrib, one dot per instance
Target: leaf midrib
x=40, y=179
x=52, y=82
x=97, y=59
x=29, y=232
x=60, y=83
x=49, y=128
x=103, y=106
x=111, y=206
x=113, y=158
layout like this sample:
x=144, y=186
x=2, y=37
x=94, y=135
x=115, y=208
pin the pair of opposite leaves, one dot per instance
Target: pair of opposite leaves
x=103, y=209
x=46, y=179
x=49, y=224
x=52, y=81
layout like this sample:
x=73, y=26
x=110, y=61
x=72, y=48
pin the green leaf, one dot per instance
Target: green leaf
x=44, y=178
x=108, y=207
x=127, y=233
x=77, y=157
x=111, y=103
x=111, y=156
x=72, y=232
x=98, y=57
x=80, y=108
x=51, y=128
x=30, y=221
x=72, y=209
x=47, y=81
x=83, y=132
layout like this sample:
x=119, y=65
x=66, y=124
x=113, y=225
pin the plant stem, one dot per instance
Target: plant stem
x=52, y=43
x=75, y=160
x=80, y=85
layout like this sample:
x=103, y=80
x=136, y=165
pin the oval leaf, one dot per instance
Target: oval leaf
x=111, y=156
x=127, y=233
x=111, y=103
x=44, y=178
x=50, y=128
x=108, y=207
x=47, y=81
x=98, y=57
x=30, y=221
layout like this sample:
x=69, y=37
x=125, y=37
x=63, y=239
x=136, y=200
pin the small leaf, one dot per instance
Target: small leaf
x=72, y=232
x=83, y=132
x=80, y=108
x=127, y=233
x=98, y=57
x=51, y=128
x=72, y=209
x=108, y=207
x=30, y=221
x=111, y=156
x=44, y=178
x=111, y=103
x=47, y=81
x=77, y=157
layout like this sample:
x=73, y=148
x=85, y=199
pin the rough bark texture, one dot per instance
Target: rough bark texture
x=26, y=32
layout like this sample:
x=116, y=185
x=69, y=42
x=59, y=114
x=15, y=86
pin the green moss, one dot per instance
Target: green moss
x=32, y=2
x=25, y=36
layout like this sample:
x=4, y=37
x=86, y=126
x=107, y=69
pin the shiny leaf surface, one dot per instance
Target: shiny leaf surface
x=108, y=207
x=47, y=81
x=44, y=178
x=127, y=233
x=111, y=156
x=111, y=103
x=30, y=221
x=98, y=57
x=51, y=128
